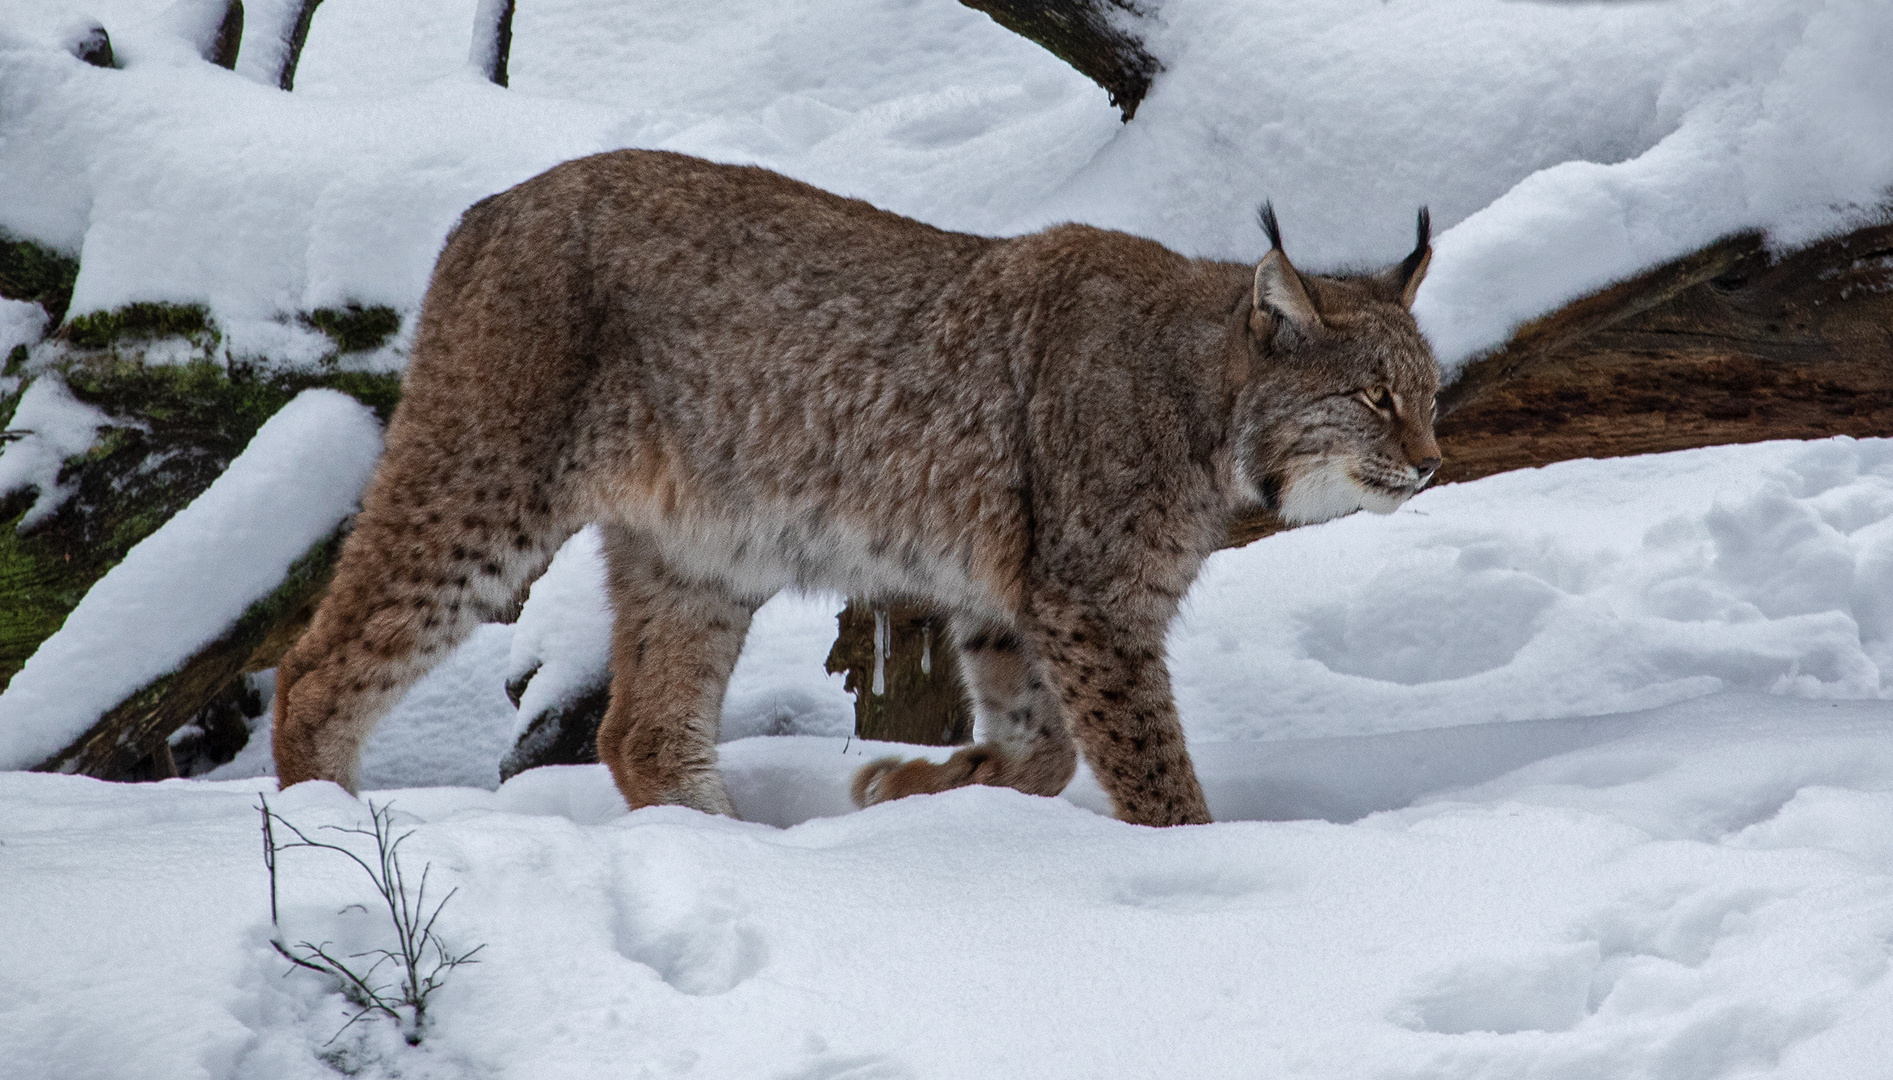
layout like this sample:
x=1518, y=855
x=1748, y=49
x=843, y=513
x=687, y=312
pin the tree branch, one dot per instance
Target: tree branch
x=1093, y=36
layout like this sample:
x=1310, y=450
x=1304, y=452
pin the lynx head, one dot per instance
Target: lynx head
x=1338, y=415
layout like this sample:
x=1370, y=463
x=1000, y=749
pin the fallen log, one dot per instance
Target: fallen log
x=173, y=428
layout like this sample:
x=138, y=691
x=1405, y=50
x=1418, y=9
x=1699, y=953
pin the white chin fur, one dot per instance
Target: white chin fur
x=1328, y=491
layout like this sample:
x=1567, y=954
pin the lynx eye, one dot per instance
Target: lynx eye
x=1379, y=399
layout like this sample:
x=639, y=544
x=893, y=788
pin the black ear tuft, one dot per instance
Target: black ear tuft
x=1423, y=241
x=1266, y=215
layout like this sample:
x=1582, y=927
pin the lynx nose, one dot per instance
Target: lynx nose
x=1426, y=469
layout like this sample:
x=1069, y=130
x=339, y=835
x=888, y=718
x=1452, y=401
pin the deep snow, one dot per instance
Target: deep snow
x=1701, y=891
x=1431, y=860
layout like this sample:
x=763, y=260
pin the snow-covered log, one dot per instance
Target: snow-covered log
x=1096, y=37
x=130, y=740
x=103, y=451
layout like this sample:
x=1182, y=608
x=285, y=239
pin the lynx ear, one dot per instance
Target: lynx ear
x=1403, y=280
x=1278, y=285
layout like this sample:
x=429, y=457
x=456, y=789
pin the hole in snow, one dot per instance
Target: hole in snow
x=1415, y=623
x=1549, y=991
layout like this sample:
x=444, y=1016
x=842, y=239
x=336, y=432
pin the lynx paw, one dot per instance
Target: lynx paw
x=867, y=785
x=891, y=778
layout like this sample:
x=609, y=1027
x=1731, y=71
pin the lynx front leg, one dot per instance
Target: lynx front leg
x=673, y=645
x=1108, y=671
x=427, y=561
x=1024, y=741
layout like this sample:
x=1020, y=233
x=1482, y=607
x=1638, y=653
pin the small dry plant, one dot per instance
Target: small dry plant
x=419, y=962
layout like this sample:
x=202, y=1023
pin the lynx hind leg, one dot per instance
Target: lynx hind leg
x=424, y=565
x=1024, y=742
x=674, y=643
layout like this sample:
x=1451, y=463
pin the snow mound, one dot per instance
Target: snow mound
x=1582, y=588
x=562, y=644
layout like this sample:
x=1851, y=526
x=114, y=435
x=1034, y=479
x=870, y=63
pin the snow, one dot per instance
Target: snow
x=1574, y=772
x=1648, y=836
x=562, y=639
x=186, y=583
x=55, y=426
x=1700, y=891
x=1560, y=145
x=21, y=323
x=1584, y=588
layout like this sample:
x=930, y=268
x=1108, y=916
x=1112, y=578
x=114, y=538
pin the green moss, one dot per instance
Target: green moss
x=142, y=321
x=42, y=275
x=176, y=428
x=354, y=328
x=16, y=362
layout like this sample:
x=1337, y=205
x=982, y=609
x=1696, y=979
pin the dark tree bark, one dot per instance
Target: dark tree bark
x=296, y=37
x=903, y=673
x=94, y=46
x=493, y=39
x=1093, y=36
x=223, y=47
x=566, y=735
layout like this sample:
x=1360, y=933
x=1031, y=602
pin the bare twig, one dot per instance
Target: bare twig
x=404, y=1001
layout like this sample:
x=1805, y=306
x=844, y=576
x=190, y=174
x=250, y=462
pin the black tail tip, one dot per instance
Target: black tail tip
x=1424, y=231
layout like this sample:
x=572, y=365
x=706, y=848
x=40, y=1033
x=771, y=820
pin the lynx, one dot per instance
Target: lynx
x=752, y=385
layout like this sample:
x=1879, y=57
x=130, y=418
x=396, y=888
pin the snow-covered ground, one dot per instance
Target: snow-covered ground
x=1455, y=839
x=1573, y=773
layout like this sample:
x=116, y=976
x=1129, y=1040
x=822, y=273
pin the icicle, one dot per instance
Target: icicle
x=926, y=650
x=880, y=651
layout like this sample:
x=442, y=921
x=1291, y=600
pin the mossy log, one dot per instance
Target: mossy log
x=130, y=741
x=173, y=428
x=37, y=274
